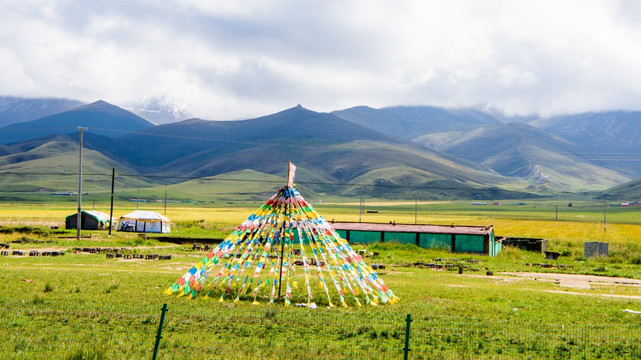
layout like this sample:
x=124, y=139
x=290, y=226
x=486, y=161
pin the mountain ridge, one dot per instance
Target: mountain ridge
x=408, y=122
x=461, y=146
x=327, y=149
x=16, y=109
x=100, y=117
x=609, y=138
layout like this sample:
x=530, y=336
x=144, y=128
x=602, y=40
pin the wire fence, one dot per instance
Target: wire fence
x=40, y=329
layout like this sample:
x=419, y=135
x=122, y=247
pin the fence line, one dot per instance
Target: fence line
x=58, y=330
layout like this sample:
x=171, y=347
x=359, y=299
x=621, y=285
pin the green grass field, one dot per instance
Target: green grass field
x=86, y=306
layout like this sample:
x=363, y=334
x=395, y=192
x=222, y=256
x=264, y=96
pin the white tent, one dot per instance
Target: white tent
x=144, y=221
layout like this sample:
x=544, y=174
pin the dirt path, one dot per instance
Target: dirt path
x=63, y=248
x=616, y=296
x=576, y=281
x=567, y=280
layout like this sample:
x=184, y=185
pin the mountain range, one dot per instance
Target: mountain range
x=101, y=117
x=399, y=152
x=17, y=110
x=611, y=138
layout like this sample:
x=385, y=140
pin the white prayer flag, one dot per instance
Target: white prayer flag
x=291, y=172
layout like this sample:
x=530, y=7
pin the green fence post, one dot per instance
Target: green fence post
x=159, y=335
x=406, y=349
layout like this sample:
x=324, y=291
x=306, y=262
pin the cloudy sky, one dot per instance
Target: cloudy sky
x=233, y=59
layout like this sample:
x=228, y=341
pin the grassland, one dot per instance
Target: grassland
x=84, y=305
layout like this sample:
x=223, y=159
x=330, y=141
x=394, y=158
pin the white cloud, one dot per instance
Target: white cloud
x=236, y=59
x=510, y=75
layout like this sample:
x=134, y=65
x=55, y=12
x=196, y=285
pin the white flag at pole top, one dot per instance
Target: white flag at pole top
x=291, y=172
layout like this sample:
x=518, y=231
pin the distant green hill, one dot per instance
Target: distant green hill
x=51, y=165
x=99, y=117
x=357, y=166
x=293, y=129
x=327, y=149
x=522, y=151
x=245, y=185
x=418, y=152
x=334, y=156
x=630, y=191
x=600, y=149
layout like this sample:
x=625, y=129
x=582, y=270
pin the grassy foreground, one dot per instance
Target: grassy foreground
x=86, y=306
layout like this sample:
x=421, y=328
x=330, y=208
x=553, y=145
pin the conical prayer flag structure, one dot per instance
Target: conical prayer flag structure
x=265, y=254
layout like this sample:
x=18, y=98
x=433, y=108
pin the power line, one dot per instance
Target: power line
x=583, y=156
x=187, y=178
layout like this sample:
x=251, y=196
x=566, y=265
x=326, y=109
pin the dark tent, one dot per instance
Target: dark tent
x=91, y=220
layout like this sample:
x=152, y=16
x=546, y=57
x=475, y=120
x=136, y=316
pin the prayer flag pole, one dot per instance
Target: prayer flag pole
x=291, y=172
x=280, y=270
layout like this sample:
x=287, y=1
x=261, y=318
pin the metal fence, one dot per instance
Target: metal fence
x=58, y=330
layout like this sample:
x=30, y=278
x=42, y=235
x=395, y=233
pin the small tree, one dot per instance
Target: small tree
x=569, y=204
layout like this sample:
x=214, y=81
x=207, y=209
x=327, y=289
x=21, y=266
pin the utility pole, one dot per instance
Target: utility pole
x=165, y=201
x=556, y=217
x=360, y=207
x=79, y=218
x=603, y=214
x=138, y=199
x=415, y=210
x=111, y=211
